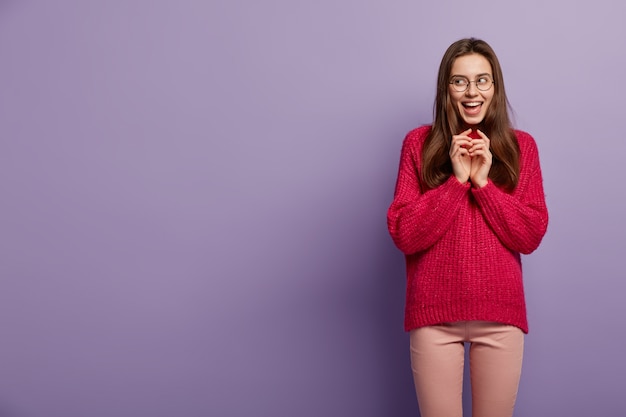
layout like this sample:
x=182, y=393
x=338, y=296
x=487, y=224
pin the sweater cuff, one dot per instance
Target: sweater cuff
x=458, y=183
x=488, y=196
x=484, y=190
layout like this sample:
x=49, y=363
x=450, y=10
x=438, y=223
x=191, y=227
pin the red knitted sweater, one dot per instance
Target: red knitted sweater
x=462, y=244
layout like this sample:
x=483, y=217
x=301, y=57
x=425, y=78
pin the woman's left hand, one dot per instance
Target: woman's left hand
x=481, y=160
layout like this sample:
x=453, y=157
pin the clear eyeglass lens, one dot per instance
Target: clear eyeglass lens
x=483, y=83
x=461, y=84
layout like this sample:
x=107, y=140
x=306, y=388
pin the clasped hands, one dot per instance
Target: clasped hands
x=471, y=158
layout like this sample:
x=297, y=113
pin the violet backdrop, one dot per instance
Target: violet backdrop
x=194, y=197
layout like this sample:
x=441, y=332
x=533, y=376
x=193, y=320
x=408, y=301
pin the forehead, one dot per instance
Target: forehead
x=470, y=65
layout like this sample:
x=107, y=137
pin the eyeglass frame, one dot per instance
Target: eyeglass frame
x=470, y=82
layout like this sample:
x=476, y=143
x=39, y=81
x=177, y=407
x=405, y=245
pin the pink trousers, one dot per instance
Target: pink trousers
x=437, y=356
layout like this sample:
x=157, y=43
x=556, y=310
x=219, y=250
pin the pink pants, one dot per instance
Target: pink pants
x=437, y=356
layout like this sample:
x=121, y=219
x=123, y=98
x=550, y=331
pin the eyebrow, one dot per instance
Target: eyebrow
x=478, y=75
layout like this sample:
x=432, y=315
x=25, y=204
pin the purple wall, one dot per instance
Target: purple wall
x=193, y=200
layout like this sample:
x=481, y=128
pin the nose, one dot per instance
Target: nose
x=472, y=90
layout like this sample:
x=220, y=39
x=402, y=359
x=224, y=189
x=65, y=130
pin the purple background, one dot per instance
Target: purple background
x=193, y=200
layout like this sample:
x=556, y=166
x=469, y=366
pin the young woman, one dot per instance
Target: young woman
x=468, y=201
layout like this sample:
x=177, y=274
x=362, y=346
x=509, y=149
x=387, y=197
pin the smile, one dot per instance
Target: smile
x=472, y=108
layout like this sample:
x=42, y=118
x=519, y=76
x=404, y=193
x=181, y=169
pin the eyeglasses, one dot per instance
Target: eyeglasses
x=483, y=83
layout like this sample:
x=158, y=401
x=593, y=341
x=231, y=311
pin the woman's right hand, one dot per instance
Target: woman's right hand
x=459, y=155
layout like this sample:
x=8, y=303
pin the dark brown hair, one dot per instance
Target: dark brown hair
x=436, y=164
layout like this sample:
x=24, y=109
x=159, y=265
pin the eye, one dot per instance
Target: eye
x=484, y=80
x=459, y=82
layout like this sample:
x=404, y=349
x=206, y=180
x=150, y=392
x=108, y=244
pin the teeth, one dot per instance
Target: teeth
x=471, y=104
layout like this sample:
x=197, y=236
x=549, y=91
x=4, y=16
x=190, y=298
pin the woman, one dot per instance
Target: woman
x=468, y=201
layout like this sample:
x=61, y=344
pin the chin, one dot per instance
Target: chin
x=474, y=121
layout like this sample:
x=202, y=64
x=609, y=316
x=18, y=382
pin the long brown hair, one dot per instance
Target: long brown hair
x=436, y=164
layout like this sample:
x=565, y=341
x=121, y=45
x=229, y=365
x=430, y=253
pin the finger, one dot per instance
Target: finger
x=482, y=155
x=459, y=153
x=462, y=141
x=478, y=152
x=479, y=144
x=459, y=143
x=464, y=135
x=476, y=144
x=479, y=149
x=461, y=135
x=482, y=135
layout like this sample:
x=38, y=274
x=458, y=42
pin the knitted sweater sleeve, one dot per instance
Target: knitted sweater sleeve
x=417, y=220
x=519, y=219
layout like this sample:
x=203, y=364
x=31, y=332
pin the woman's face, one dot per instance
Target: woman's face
x=473, y=103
